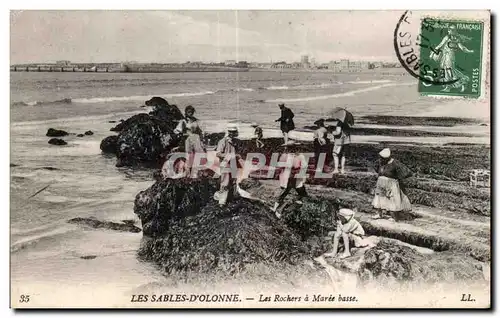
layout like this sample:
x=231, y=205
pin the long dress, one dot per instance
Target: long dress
x=388, y=193
x=446, y=60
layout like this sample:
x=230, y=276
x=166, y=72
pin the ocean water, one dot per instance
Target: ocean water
x=46, y=250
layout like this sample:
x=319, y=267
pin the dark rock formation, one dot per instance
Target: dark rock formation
x=389, y=261
x=172, y=199
x=56, y=133
x=13, y=165
x=80, y=135
x=57, y=142
x=49, y=168
x=225, y=239
x=98, y=224
x=89, y=133
x=112, y=121
x=108, y=144
x=145, y=141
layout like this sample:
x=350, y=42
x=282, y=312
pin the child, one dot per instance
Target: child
x=257, y=135
x=350, y=230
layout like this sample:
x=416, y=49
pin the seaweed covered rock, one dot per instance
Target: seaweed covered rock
x=395, y=262
x=224, y=239
x=144, y=140
x=166, y=112
x=136, y=119
x=126, y=226
x=312, y=217
x=51, y=132
x=169, y=199
x=108, y=144
x=57, y=142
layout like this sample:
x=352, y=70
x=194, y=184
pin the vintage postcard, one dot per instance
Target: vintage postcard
x=250, y=159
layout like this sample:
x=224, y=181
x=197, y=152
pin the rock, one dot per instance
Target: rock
x=108, y=144
x=88, y=256
x=139, y=118
x=56, y=133
x=172, y=199
x=57, y=141
x=13, y=165
x=156, y=101
x=168, y=113
x=396, y=262
x=224, y=240
x=49, y=168
x=89, y=133
x=145, y=141
x=80, y=135
x=112, y=121
x=97, y=224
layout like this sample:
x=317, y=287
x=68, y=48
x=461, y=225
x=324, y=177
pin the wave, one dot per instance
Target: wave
x=277, y=88
x=34, y=239
x=137, y=97
x=346, y=94
x=36, y=103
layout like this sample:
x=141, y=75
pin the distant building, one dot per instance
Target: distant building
x=313, y=62
x=304, y=61
x=281, y=64
x=230, y=62
x=346, y=66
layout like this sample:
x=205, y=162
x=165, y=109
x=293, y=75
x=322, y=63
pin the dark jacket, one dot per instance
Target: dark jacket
x=286, y=120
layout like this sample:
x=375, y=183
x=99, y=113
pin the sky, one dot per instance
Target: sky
x=208, y=36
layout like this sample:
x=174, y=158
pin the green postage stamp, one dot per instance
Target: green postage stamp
x=451, y=51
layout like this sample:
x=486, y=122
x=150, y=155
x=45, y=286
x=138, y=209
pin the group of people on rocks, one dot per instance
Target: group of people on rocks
x=389, y=199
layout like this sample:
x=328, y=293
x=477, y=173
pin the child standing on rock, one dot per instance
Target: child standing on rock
x=258, y=135
x=350, y=230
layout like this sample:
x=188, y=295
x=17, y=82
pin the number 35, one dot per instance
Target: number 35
x=24, y=299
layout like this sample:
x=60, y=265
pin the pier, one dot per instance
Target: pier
x=126, y=68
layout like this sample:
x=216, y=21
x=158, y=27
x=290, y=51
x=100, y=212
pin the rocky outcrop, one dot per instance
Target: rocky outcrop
x=57, y=142
x=92, y=222
x=163, y=110
x=56, y=133
x=144, y=141
x=167, y=200
x=80, y=135
x=108, y=144
x=224, y=239
x=89, y=133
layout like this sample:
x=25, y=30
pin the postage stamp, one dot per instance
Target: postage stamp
x=453, y=51
x=250, y=159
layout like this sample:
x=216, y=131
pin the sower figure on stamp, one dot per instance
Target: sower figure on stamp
x=290, y=177
x=227, y=152
x=286, y=121
x=446, y=58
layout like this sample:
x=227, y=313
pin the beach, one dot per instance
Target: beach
x=82, y=182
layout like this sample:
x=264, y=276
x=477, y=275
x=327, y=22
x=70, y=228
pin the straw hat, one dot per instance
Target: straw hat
x=232, y=127
x=385, y=153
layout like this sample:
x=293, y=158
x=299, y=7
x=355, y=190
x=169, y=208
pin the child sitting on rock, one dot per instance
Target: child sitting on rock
x=350, y=230
x=257, y=135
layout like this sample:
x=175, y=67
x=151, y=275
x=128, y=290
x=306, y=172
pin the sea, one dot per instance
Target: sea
x=80, y=181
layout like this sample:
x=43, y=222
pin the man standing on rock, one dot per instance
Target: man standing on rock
x=286, y=121
x=227, y=152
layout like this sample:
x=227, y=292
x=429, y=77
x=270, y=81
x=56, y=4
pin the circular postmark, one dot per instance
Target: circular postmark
x=411, y=37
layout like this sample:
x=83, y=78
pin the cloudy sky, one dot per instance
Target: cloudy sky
x=178, y=36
